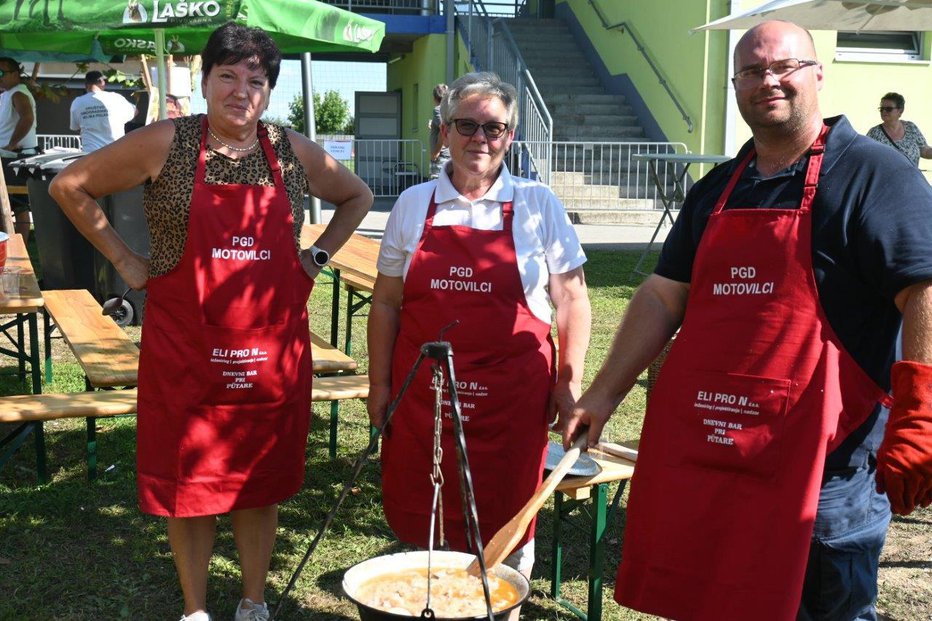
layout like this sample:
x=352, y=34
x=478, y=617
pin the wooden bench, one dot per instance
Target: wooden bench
x=106, y=403
x=29, y=410
x=97, y=404
x=110, y=359
x=107, y=355
x=358, y=295
x=33, y=410
x=329, y=359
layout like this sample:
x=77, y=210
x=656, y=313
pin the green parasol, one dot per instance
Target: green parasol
x=160, y=27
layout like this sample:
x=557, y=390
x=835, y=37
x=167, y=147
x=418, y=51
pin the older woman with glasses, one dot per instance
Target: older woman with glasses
x=903, y=136
x=480, y=256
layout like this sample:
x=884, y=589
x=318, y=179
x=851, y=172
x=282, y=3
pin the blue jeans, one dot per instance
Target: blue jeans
x=851, y=525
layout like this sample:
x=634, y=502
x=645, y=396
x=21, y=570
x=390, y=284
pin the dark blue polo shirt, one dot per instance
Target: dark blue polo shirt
x=871, y=238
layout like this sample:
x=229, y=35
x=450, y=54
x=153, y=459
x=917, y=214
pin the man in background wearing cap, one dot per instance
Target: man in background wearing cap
x=99, y=116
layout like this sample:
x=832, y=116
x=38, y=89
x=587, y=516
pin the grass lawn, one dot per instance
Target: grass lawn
x=73, y=550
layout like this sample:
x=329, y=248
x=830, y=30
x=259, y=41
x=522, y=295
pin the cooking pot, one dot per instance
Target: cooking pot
x=357, y=575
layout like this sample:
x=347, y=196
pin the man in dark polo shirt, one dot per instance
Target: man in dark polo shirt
x=767, y=466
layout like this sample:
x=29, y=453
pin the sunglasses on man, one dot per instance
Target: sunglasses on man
x=887, y=108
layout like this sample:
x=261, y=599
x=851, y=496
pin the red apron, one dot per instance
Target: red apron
x=225, y=364
x=503, y=358
x=755, y=391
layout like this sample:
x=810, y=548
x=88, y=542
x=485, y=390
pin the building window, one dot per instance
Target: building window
x=879, y=46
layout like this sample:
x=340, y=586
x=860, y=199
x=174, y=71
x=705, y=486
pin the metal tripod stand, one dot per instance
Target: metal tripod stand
x=442, y=354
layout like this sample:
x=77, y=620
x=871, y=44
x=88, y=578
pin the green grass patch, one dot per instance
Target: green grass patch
x=73, y=550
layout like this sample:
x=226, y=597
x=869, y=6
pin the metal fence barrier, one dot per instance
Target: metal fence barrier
x=598, y=175
x=585, y=175
x=49, y=141
x=389, y=167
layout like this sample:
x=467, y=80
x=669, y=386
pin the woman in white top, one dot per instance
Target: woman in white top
x=479, y=256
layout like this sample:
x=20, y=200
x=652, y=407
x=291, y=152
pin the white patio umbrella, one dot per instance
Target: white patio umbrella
x=847, y=15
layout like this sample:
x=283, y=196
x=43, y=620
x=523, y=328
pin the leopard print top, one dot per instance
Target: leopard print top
x=167, y=200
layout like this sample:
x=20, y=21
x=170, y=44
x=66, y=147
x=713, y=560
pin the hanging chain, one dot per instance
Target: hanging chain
x=436, y=476
x=436, y=479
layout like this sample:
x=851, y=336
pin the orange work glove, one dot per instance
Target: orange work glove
x=904, y=461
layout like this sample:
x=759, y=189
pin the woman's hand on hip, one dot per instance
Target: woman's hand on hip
x=134, y=269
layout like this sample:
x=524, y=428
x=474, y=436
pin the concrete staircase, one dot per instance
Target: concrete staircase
x=588, y=183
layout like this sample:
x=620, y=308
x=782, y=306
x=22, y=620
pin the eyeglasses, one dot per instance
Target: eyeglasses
x=3, y=73
x=747, y=78
x=888, y=108
x=492, y=129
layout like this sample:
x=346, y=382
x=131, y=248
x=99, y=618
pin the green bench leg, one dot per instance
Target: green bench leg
x=334, y=418
x=91, y=449
x=348, y=348
x=48, y=346
x=597, y=532
x=35, y=364
x=21, y=345
x=597, y=552
x=335, y=309
x=556, y=551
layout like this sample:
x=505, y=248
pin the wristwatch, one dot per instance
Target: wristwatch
x=319, y=256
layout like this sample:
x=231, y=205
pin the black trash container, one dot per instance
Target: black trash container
x=68, y=260
x=66, y=257
x=125, y=213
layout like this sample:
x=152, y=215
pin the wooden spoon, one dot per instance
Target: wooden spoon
x=505, y=539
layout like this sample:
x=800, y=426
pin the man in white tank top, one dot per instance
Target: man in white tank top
x=17, y=129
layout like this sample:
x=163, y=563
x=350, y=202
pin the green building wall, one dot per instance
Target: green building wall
x=695, y=65
x=415, y=76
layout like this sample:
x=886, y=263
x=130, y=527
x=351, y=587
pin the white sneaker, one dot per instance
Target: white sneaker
x=248, y=610
x=200, y=615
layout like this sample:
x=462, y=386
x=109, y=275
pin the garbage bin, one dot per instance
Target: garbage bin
x=66, y=257
x=68, y=260
x=125, y=213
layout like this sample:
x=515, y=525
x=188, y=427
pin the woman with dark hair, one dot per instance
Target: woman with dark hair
x=903, y=136
x=225, y=369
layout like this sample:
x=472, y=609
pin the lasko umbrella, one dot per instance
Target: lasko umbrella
x=160, y=27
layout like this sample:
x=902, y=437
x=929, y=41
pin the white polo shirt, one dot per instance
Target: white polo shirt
x=545, y=241
x=100, y=117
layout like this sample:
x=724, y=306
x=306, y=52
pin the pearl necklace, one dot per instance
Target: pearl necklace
x=231, y=147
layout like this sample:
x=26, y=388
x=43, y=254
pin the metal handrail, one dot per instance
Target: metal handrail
x=625, y=27
x=492, y=48
x=526, y=73
x=539, y=100
x=500, y=8
x=485, y=8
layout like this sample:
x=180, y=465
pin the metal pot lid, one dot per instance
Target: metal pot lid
x=585, y=466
